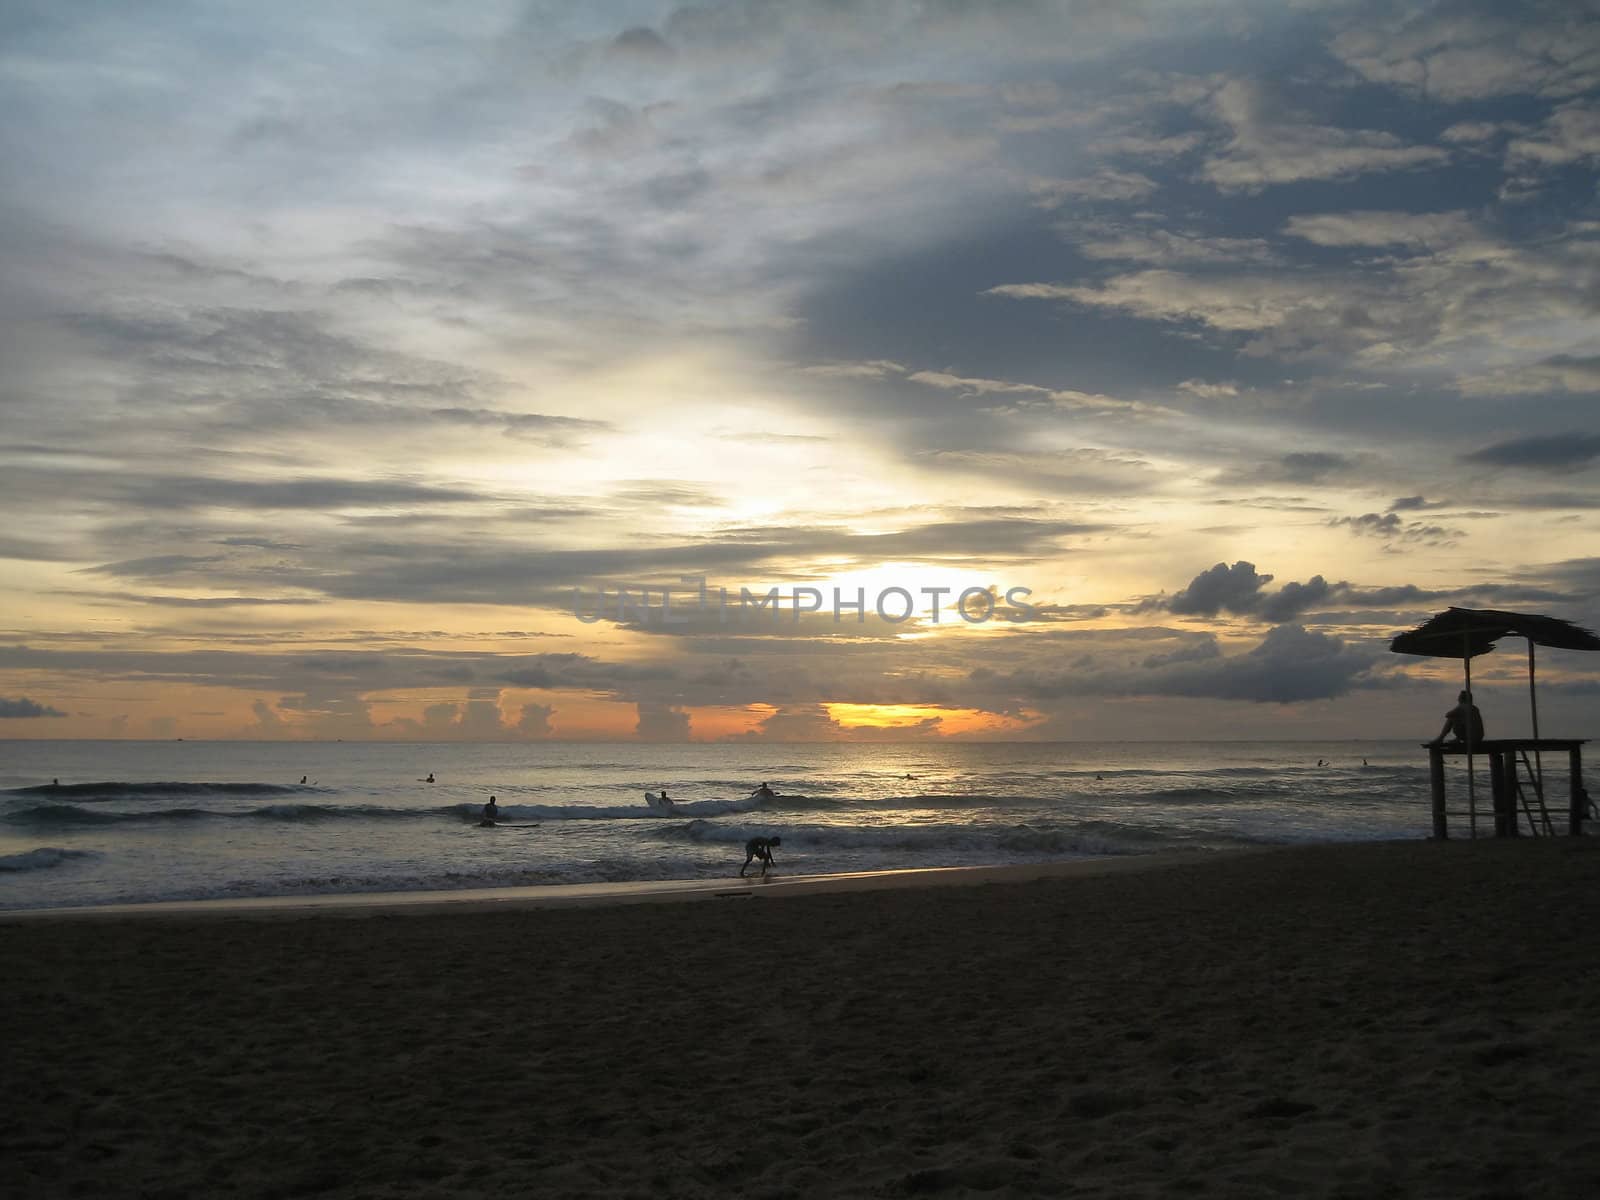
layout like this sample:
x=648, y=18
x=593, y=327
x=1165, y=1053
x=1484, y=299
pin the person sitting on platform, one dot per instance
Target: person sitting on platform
x=1464, y=722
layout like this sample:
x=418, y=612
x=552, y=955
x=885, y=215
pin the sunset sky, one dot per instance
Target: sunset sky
x=341, y=345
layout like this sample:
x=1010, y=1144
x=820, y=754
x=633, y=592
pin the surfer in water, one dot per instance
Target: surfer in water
x=429, y=779
x=765, y=792
x=491, y=812
x=759, y=847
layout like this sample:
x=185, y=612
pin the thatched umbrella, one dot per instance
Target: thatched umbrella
x=1465, y=633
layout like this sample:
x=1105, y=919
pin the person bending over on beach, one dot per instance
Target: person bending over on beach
x=759, y=847
x=1464, y=722
x=491, y=812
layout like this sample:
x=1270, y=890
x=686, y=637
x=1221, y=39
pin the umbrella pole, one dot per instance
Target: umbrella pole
x=1472, y=783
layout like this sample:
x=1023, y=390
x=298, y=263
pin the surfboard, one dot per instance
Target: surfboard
x=508, y=824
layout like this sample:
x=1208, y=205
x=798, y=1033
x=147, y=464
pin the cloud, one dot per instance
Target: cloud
x=661, y=723
x=534, y=720
x=1221, y=589
x=1303, y=467
x=1555, y=452
x=1272, y=145
x=1289, y=665
x=1390, y=526
x=22, y=708
x=1106, y=184
x=1239, y=590
x=1569, y=135
x=268, y=722
x=1558, y=372
x=1381, y=228
x=1115, y=243
x=158, y=566
x=1457, y=53
x=1442, y=302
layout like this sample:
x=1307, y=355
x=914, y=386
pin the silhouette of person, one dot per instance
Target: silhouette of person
x=302, y=779
x=765, y=792
x=429, y=779
x=759, y=847
x=491, y=812
x=1464, y=722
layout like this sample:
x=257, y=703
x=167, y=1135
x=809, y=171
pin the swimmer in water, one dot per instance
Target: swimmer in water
x=491, y=812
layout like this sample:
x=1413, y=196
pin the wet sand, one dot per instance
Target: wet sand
x=1378, y=1020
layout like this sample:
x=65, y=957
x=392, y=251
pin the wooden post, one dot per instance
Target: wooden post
x=1472, y=781
x=1441, y=827
x=1533, y=707
x=1498, y=793
x=1577, y=802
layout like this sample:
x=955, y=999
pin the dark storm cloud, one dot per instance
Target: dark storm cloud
x=1391, y=527
x=1221, y=588
x=22, y=708
x=1238, y=589
x=1289, y=665
x=1556, y=452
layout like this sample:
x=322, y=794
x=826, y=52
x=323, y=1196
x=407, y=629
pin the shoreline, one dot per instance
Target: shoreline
x=649, y=891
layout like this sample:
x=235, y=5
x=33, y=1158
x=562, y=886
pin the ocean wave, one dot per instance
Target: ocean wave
x=470, y=813
x=124, y=790
x=1093, y=838
x=72, y=814
x=42, y=858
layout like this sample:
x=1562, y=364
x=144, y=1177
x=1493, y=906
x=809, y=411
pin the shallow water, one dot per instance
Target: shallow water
x=135, y=821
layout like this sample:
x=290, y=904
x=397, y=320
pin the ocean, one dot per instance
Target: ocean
x=144, y=821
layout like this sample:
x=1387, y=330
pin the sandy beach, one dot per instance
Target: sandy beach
x=1374, y=1020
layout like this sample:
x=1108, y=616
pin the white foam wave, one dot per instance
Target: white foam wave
x=41, y=859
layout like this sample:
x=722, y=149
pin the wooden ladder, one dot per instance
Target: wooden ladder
x=1540, y=824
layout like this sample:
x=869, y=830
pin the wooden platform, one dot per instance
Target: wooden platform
x=1506, y=787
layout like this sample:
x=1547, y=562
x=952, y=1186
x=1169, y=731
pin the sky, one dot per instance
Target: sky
x=1141, y=367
